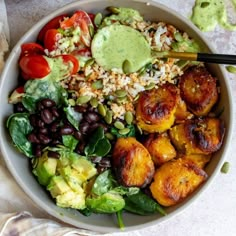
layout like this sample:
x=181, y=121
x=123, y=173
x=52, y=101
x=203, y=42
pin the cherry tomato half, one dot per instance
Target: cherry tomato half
x=52, y=24
x=50, y=39
x=31, y=49
x=34, y=66
x=70, y=58
x=81, y=19
x=85, y=52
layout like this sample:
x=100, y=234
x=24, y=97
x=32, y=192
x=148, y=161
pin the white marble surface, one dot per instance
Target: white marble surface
x=214, y=213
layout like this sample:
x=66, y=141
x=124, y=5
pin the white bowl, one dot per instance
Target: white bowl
x=19, y=164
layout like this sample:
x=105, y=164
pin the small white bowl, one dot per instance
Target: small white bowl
x=19, y=164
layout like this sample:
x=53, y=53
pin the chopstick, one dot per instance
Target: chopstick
x=202, y=57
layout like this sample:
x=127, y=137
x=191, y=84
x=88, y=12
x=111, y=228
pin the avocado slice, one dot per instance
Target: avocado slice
x=84, y=167
x=116, y=44
x=71, y=199
x=73, y=178
x=58, y=186
x=45, y=169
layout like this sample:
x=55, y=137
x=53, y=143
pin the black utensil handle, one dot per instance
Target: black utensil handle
x=217, y=58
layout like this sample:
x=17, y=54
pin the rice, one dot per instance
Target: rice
x=160, y=37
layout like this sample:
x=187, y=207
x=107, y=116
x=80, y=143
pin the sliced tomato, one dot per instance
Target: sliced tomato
x=80, y=19
x=52, y=24
x=31, y=49
x=16, y=95
x=91, y=16
x=34, y=66
x=71, y=59
x=85, y=52
x=50, y=39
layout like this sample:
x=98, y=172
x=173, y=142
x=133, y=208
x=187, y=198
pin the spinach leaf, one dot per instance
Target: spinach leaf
x=70, y=142
x=125, y=191
x=143, y=203
x=98, y=145
x=37, y=89
x=19, y=127
x=103, y=183
x=102, y=148
x=86, y=212
x=72, y=116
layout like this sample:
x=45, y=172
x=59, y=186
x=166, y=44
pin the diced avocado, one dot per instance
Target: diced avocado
x=84, y=167
x=45, y=169
x=106, y=203
x=58, y=186
x=73, y=178
x=71, y=199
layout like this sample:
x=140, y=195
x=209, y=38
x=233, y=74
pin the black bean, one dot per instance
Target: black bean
x=80, y=148
x=38, y=150
x=40, y=106
x=78, y=135
x=33, y=138
x=80, y=109
x=54, y=126
x=94, y=126
x=101, y=169
x=105, y=162
x=44, y=139
x=33, y=118
x=56, y=136
x=66, y=130
x=53, y=154
x=55, y=112
x=84, y=127
x=40, y=123
x=96, y=159
x=43, y=130
x=91, y=117
x=46, y=116
x=56, y=142
x=19, y=107
x=48, y=102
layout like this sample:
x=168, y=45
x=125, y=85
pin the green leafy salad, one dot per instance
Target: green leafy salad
x=91, y=104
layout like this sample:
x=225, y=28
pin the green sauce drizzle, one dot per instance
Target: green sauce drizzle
x=208, y=13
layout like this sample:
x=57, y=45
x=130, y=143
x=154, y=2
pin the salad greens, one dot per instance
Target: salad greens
x=19, y=127
x=98, y=145
x=42, y=88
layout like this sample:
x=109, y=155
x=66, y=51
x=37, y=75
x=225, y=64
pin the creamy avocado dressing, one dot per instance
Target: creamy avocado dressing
x=208, y=13
x=115, y=44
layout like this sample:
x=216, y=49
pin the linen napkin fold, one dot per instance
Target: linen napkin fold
x=24, y=224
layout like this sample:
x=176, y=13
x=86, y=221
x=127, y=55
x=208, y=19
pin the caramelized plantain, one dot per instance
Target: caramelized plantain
x=155, y=111
x=199, y=159
x=209, y=134
x=175, y=180
x=132, y=163
x=160, y=148
x=198, y=136
x=198, y=89
x=181, y=112
x=183, y=139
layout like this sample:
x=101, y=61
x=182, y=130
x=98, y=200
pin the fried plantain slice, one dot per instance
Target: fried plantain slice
x=199, y=90
x=198, y=136
x=160, y=148
x=209, y=134
x=199, y=159
x=175, y=180
x=132, y=163
x=155, y=111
